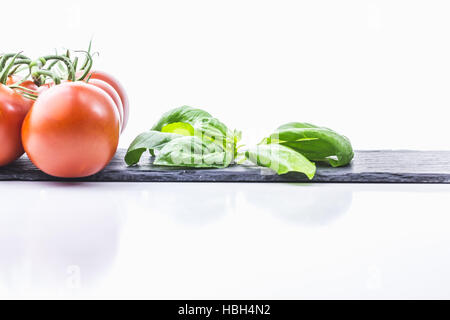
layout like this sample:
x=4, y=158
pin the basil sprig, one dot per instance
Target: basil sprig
x=187, y=137
x=315, y=143
x=294, y=146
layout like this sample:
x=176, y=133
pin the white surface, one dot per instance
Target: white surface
x=377, y=71
x=191, y=240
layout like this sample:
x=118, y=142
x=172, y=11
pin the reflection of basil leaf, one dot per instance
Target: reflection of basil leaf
x=315, y=143
x=281, y=159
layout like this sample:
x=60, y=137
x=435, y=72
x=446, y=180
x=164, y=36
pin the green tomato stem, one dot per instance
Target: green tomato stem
x=67, y=62
x=51, y=65
x=28, y=96
x=36, y=74
x=86, y=68
x=22, y=61
x=86, y=60
x=8, y=56
x=31, y=91
x=75, y=63
x=5, y=72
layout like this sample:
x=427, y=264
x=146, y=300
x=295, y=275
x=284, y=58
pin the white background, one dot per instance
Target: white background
x=376, y=71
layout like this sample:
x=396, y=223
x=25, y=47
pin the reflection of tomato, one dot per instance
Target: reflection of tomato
x=120, y=90
x=72, y=130
x=13, y=109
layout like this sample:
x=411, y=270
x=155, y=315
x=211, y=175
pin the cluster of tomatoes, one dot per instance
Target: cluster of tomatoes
x=69, y=127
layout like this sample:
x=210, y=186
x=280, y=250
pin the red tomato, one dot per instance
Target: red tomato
x=72, y=130
x=120, y=90
x=99, y=84
x=13, y=109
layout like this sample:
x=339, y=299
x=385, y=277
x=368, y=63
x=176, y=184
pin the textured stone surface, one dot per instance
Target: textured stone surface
x=383, y=166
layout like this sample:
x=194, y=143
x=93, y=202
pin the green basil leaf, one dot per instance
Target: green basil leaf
x=203, y=124
x=182, y=114
x=193, y=152
x=199, y=119
x=147, y=140
x=300, y=125
x=182, y=128
x=315, y=143
x=187, y=137
x=190, y=121
x=281, y=159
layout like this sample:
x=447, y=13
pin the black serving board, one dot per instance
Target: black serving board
x=379, y=166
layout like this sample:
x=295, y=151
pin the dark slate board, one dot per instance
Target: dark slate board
x=383, y=166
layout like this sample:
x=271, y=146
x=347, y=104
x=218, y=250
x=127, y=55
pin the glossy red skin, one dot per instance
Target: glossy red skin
x=72, y=130
x=99, y=84
x=30, y=85
x=105, y=85
x=48, y=85
x=13, y=109
x=120, y=90
x=112, y=93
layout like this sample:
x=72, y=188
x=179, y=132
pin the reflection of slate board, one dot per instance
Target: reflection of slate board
x=367, y=166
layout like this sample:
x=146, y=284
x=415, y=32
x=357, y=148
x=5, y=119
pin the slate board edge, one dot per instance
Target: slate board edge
x=288, y=178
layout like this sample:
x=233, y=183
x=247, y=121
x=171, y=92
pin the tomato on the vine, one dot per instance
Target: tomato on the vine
x=72, y=130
